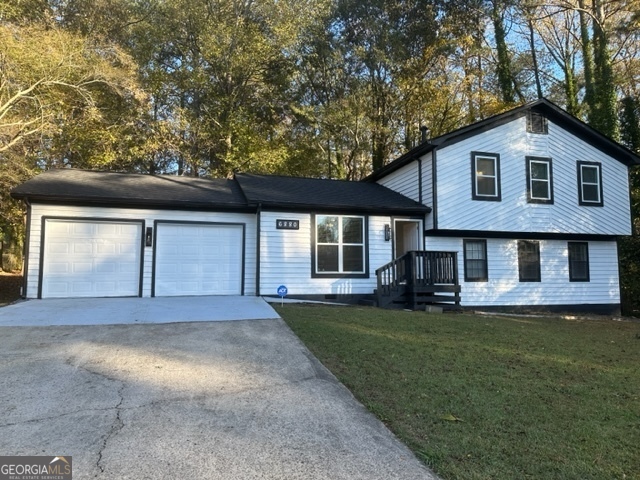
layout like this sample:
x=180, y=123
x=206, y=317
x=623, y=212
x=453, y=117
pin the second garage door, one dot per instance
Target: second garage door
x=198, y=259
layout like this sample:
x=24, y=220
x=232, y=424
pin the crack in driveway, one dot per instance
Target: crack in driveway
x=116, y=427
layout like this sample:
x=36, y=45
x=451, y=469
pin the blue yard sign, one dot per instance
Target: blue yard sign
x=282, y=292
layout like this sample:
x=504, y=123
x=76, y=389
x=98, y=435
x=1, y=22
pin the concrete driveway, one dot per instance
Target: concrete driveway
x=208, y=400
x=116, y=311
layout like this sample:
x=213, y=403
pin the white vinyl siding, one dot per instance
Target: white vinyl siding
x=427, y=187
x=456, y=210
x=503, y=287
x=285, y=258
x=405, y=181
x=149, y=216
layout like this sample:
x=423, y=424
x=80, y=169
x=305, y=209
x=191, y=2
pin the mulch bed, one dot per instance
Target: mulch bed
x=9, y=287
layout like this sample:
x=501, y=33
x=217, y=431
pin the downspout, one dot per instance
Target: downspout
x=258, y=235
x=434, y=180
x=622, y=303
x=420, y=179
x=25, y=250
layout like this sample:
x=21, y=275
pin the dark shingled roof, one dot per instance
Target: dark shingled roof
x=244, y=193
x=108, y=188
x=295, y=193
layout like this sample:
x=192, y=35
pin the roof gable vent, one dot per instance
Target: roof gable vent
x=536, y=123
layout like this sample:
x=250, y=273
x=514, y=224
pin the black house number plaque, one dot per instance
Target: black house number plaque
x=287, y=224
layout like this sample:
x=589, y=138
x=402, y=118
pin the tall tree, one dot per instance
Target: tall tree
x=506, y=81
x=64, y=100
x=220, y=71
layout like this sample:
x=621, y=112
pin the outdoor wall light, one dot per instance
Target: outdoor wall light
x=387, y=232
x=148, y=238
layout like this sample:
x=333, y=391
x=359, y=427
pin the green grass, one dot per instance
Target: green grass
x=480, y=397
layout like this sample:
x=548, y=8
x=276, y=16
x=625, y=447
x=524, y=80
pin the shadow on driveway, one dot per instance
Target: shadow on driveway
x=209, y=400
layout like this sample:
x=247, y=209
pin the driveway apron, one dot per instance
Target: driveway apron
x=208, y=400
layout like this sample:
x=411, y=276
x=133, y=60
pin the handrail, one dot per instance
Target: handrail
x=418, y=268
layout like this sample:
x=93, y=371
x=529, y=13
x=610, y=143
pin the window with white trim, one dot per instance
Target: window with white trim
x=339, y=244
x=539, y=180
x=485, y=176
x=590, y=184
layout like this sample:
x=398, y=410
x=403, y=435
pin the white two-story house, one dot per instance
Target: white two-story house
x=532, y=200
x=519, y=210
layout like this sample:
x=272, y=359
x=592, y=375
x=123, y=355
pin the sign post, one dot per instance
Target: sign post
x=282, y=292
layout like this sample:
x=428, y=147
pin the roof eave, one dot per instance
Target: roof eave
x=134, y=203
x=413, y=154
x=302, y=207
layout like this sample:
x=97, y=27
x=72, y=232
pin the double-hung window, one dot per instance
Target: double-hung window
x=539, y=180
x=485, y=176
x=475, y=261
x=590, y=184
x=339, y=245
x=529, y=261
x=578, y=261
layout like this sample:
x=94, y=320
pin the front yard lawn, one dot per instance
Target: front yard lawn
x=484, y=397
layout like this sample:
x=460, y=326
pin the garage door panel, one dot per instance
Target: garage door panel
x=195, y=259
x=82, y=248
x=107, y=229
x=106, y=268
x=91, y=258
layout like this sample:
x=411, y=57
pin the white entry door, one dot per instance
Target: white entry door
x=88, y=258
x=407, y=235
x=198, y=259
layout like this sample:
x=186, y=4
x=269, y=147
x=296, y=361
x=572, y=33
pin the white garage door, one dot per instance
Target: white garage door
x=198, y=259
x=91, y=259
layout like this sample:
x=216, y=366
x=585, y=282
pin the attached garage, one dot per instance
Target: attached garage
x=198, y=258
x=91, y=258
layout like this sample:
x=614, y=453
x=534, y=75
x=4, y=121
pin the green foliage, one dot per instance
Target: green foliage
x=332, y=88
x=65, y=100
x=480, y=397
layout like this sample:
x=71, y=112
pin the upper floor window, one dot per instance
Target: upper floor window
x=485, y=176
x=529, y=261
x=578, y=261
x=590, y=184
x=475, y=261
x=537, y=123
x=539, y=180
x=339, y=245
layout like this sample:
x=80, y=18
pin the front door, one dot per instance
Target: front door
x=406, y=236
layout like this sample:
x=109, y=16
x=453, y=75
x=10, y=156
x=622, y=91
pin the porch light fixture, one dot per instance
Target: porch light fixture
x=387, y=232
